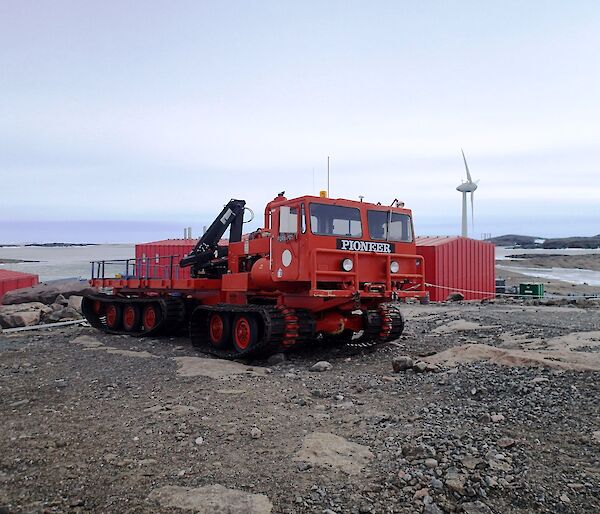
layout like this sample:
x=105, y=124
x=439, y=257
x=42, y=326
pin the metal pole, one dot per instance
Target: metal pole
x=328, y=193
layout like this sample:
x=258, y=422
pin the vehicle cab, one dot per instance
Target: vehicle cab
x=338, y=247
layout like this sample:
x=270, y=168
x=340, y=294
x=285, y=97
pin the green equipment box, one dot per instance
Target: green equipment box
x=533, y=290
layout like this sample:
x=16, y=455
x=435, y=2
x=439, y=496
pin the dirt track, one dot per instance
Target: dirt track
x=110, y=424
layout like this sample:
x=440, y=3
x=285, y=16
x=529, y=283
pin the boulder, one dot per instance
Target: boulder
x=61, y=300
x=455, y=297
x=321, y=366
x=420, y=366
x=402, y=363
x=22, y=315
x=66, y=314
x=75, y=302
x=25, y=307
x=48, y=293
x=20, y=319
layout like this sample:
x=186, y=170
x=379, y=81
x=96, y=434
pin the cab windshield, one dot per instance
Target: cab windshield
x=390, y=226
x=335, y=220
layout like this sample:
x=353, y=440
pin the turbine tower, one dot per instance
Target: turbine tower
x=466, y=187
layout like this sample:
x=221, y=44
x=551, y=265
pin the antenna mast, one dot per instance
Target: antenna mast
x=328, y=192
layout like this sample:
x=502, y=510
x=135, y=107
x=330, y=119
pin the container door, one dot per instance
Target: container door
x=285, y=258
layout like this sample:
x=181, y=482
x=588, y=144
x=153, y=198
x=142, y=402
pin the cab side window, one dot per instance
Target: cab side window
x=303, y=219
x=288, y=220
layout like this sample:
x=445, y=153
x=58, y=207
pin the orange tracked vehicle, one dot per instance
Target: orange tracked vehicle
x=321, y=269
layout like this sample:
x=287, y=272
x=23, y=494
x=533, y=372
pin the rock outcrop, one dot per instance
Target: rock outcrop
x=48, y=293
x=211, y=499
x=20, y=319
x=33, y=313
x=23, y=315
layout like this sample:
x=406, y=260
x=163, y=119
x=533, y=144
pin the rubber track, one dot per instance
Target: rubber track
x=172, y=310
x=397, y=323
x=383, y=325
x=275, y=329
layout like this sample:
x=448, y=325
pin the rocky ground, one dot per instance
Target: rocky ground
x=98, y=423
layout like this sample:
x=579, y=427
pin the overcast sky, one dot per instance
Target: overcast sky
x=162, y=111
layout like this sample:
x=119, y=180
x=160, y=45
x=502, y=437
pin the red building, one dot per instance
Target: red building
x=10, y=280
x=458, y=265
x=154, y=259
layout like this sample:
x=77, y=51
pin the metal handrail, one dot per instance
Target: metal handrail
x=143, y=267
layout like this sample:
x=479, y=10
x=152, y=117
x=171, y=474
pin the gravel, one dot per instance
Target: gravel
x=86, y=430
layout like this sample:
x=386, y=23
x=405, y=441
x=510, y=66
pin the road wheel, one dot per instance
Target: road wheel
x=219, y=329
x=132, y=317
x=113, y=315
x=245, y=332
x=151, y=316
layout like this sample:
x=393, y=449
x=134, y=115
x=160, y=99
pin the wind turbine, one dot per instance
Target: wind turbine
x=467, y=187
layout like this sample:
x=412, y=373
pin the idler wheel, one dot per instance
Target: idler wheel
x=113, y=316
x=219, y=329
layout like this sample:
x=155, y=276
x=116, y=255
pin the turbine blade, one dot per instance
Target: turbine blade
x=466, y=166
x=472, y=212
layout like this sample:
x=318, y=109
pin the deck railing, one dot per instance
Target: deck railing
x=166, y=267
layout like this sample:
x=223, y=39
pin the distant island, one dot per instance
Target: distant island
x=48, y=245
x=4, y=260
x=531, y=242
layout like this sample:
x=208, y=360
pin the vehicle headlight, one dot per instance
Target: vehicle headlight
x=394, y=267
x=347, y=265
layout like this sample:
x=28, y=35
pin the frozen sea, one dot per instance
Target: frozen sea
x=571, y=275
x=63, y=262
x=503, y=252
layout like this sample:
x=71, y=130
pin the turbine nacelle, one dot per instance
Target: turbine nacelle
x=467, y=187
